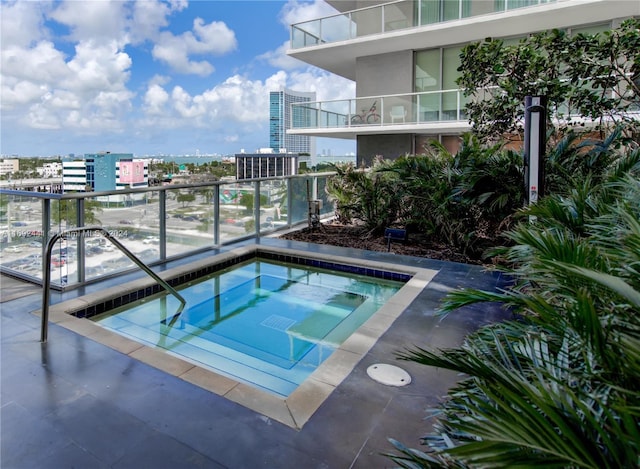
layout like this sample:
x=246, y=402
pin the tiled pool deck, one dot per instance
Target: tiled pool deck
x=76, y=402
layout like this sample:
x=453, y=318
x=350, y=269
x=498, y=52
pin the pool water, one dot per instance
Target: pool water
x=266, y=323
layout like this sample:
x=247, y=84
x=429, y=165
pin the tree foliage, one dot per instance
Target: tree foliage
x=185, y=198
x=559, y=386
x=583, y=76
x=66, y=211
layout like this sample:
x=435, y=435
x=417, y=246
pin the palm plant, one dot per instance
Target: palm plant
x=559, y=386
x=369, y=196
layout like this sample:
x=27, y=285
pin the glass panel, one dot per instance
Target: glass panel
x=336, y=28
x=21, y=234
x=236, y=210
x=513, y=4
x=449, y=105
x=299, y=207
x=305, y=34
x=271, y=201
x=430, y=11
x=450, y=10
x=189, y=222
x=327, y=207
x=450, y=64
x=398, y=16
x=466, y=8
x=429, y=107
x=483, y=7
x=427, y=72
x=368, y=21
x=365, y=112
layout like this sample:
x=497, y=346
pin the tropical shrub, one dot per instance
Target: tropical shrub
x=369, y=196
x=560, y=385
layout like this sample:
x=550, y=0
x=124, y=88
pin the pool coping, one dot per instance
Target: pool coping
x=294, y=410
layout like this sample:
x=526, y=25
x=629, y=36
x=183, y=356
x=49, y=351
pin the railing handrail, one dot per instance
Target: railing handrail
x=381, y=96
x=142, y=190
x=46, y=277
x=299, y=26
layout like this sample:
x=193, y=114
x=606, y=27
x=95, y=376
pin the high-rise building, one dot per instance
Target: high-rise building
x=282, y=119
x=404, y=56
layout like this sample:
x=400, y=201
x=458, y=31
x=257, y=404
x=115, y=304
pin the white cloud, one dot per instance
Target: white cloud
x=22, y=23
x=155, y=100
x=81, y=83
x=238, y=102
x=149, y=16
x=214, y=38
x=278, y=58
x=97, y=19
x=296, y=12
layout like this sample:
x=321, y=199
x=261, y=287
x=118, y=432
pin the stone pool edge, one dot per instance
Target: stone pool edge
x=294, y=410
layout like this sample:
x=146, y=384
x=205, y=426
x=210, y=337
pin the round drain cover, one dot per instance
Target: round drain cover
x=388, y=374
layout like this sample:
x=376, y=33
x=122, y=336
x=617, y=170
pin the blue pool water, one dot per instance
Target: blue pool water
x=266, y=323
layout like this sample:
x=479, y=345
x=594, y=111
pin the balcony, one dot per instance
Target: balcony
x=157, y=224
x=395, y=16
x=426, y=112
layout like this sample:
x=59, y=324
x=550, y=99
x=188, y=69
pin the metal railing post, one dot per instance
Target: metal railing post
x=256, y=207
x=46, y=229
x=80, y=261
x=162, y=227
x=216, y=215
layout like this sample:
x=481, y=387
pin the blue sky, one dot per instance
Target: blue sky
x=151, y=76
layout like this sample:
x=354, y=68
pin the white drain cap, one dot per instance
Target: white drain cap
x=388, y=374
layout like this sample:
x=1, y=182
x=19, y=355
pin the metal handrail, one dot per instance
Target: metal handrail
x=46, y=277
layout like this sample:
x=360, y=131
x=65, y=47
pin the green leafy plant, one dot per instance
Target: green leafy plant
x=583, y=76
x=559, y=386
x=368, y=196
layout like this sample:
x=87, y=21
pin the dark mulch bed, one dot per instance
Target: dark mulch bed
x=354, y=236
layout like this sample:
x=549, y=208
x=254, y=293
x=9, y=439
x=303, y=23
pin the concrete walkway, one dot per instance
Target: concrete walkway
x=73, y=402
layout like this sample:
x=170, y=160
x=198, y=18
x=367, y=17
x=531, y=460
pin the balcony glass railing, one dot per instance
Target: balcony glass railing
x=397, y=109
x=156, y=223
x=395, y=16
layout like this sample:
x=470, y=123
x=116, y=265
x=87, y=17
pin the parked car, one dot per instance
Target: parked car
x=93, y=250
x=151, y=240
x=18, y=223
x=13, y=248
x=125, y=222
x=35, y=244
x=57, y=262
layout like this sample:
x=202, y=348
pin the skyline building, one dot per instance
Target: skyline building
x=281, y=119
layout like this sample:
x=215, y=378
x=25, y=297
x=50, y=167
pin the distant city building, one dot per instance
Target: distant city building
x=281, y=119
x=262, y=165
x=9, y=166
x=50, y=170
x=104, y=172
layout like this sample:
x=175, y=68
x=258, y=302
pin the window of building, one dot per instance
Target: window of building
x=435, y=11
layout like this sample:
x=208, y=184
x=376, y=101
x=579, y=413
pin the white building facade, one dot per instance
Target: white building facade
x=50, y=170
x=404, y=55
x=74, y=176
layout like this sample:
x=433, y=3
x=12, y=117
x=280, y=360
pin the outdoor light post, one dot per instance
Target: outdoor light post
x=535, y=119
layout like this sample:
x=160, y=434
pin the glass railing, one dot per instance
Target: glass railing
x=156, y=223
x=397, y=109
x=395, y=16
